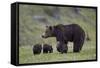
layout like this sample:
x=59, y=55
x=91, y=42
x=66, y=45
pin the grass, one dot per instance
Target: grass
x=88, y=53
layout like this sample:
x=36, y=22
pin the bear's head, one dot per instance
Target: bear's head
x=54, y=31
x=48, y=32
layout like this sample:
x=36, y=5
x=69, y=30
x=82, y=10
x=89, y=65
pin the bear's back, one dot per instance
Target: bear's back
x=74, y=28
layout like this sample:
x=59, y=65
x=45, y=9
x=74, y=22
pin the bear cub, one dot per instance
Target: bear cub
x=37, y=48
x=62, y=48
x=47, y=48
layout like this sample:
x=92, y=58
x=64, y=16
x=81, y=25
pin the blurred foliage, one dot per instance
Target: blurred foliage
x=33, y=19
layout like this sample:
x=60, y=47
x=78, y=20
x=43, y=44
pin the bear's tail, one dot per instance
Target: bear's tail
x=87, y=37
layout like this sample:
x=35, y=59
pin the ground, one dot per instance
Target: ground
x=87, y=53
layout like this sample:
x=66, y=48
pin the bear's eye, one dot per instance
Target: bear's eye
x=48, y=31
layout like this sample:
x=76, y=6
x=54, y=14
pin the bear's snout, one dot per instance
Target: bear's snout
x=43, y=36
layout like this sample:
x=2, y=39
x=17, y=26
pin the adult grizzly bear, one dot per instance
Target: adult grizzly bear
x=47, y=48
x=64, y=33
x=37, y=48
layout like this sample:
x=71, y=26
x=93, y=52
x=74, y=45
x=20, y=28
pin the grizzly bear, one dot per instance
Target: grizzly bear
x=65, y=33
x=37, y=49
x=47, y=48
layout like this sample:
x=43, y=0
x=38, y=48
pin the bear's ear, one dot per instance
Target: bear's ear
x=46, y=26
x=50, y=27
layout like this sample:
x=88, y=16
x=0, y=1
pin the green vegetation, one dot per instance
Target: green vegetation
x=33, y=19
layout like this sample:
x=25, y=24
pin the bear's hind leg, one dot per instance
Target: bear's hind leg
x=76, y=47
x=81, y=43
